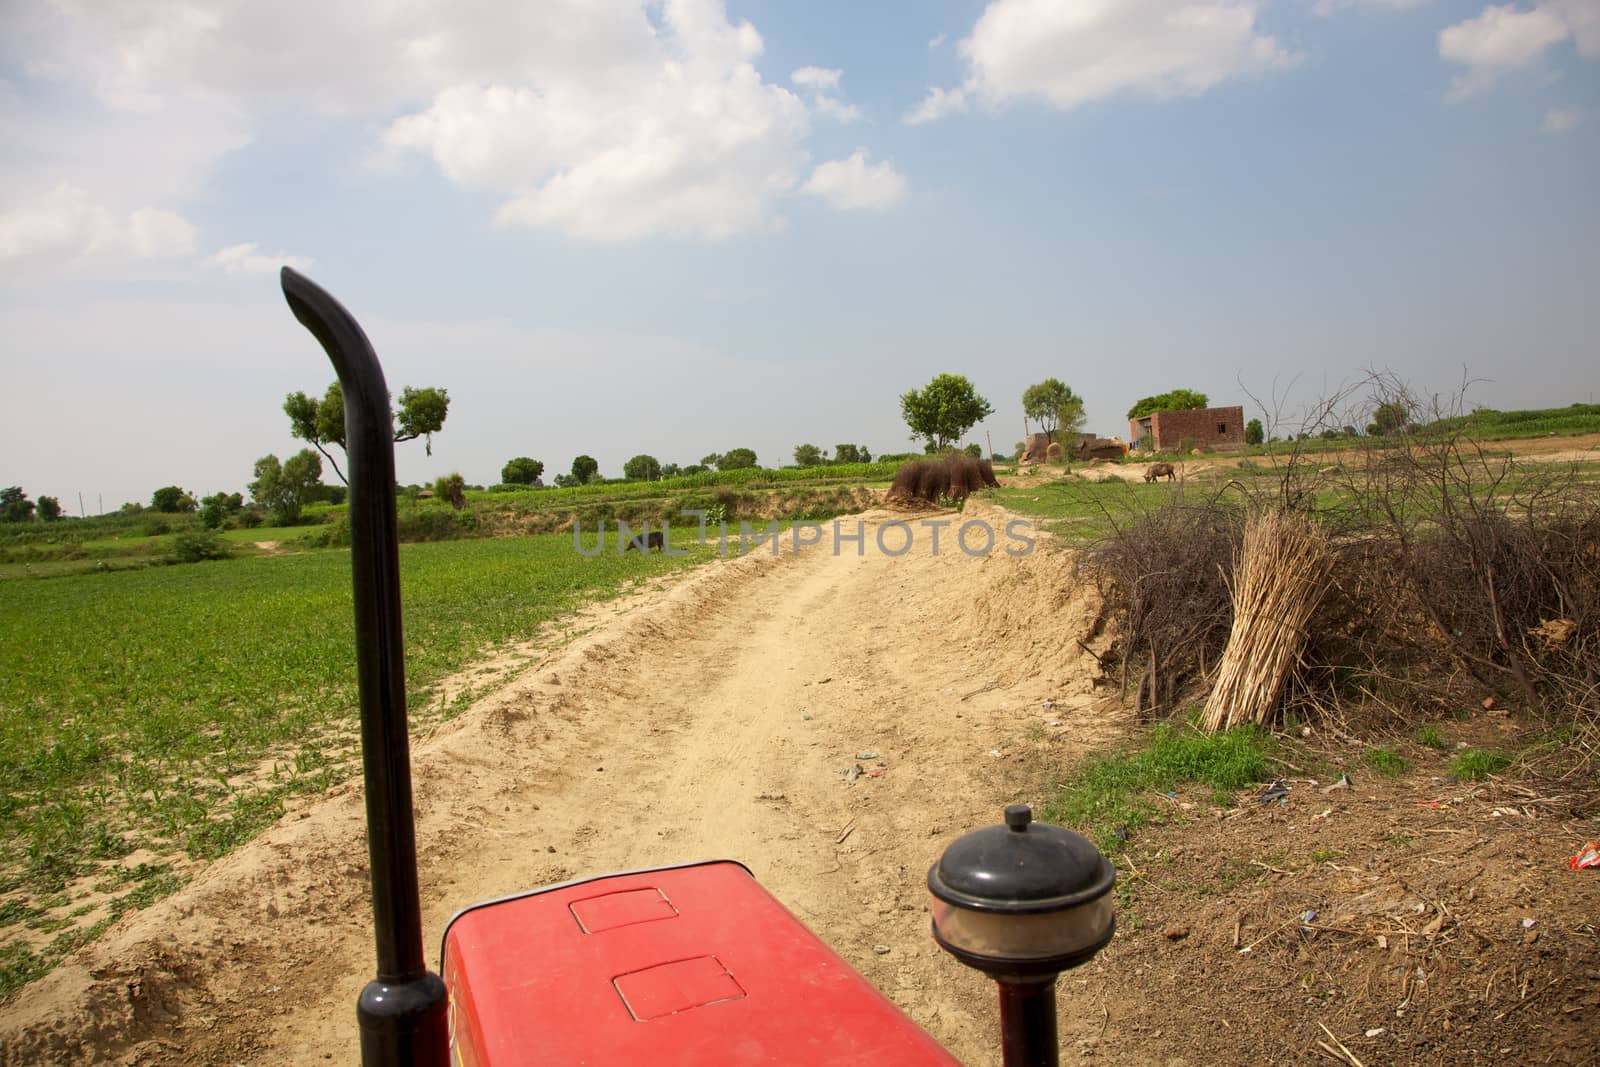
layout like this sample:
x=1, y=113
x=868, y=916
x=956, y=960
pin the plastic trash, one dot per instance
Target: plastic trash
x=1278, y=790
x=1588, y=856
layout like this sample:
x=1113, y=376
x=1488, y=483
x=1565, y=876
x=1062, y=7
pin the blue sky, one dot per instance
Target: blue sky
x=681, y=227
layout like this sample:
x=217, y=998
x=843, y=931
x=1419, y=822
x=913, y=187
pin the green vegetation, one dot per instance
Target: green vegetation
x=523, y=470
x=1429, y=736
x=1108, y=791
x=943, y=411
x=1054, y=406
x=175, y=709
x=1476, y=764
x=1489, y=424
x=1176, y=400
x=1386, y=762
x=421, y=413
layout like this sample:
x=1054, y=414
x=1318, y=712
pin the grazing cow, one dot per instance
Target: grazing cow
x=652, y=539
x=1160, y=470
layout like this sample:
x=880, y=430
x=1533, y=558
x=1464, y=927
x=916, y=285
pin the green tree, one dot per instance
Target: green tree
x=216, y=508
x=736, y=459
x=670, y=470
x=1253, y=432
x=585, y=469
x=943, y=411
x=421, y=414
x=642, y=468
x=15, y=505
x=521, y=471
x=49, y=508
x=709, y=461
x=808, y=456
x=851, y=454
x=170, y=500
x=1054, y=406
x=1177, y=400
x=1389, y=417
x=283, y=488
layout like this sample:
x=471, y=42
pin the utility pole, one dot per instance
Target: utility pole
x=81, y=515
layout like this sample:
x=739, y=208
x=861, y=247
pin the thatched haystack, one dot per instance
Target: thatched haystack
x=1053, y=453
x=953, y=476
x=1279, y=577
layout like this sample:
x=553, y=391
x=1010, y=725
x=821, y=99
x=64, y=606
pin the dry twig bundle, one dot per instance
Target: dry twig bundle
x=1279, y=578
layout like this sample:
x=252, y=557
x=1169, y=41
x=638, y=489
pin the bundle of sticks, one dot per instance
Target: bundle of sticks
x=1280, y=574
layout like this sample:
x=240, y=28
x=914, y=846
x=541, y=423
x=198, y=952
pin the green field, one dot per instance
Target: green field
x=170, y=710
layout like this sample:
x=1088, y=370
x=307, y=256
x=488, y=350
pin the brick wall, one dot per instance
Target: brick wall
x=1211, y=427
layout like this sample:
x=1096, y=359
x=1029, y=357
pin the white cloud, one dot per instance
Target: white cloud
x=937, y=104
x=936, y=40
x=67, y=224
x=606, y=120
x=853, y=184
x=244, y=259
x=1583, y=19
x=155, y=233
x=1330, y=7
x=817, y=77
x=822, y=81
x=1069, y=52
x=1560, y=120
x=1499, y=39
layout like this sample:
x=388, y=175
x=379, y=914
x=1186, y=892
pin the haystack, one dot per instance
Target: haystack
x=952, y=476
x=1280, y=574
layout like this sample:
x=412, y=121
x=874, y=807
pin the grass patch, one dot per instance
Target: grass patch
x=1476, y=764
x=1430, y=736
x=1108, y=791
x=1386, y=762
x=175, y=708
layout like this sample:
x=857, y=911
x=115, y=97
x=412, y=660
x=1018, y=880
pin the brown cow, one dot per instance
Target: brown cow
x=1160, y=470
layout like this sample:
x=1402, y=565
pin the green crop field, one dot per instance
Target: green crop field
x=167, y=711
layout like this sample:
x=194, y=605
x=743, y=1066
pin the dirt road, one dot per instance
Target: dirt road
x=714, y=717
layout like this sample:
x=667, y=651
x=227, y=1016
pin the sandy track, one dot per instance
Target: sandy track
x=711, y=718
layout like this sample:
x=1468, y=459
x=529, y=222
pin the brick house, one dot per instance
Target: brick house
x=1166, y=431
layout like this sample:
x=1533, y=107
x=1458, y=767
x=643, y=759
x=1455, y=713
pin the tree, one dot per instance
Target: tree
x=15, y=505
x=944, y=411
x=585, y=469
x=670, y=470
x=1389, y=417
x=709, y=461
x=421, y=414
x=736, y=459
x=851, y=454
x=521, y=471
x=215, y=509
x=283, y=488
x=642, y=468
x=49, y=508
x=808, y=456
x=1177, y=400
x=1054, y=406
x=170, y=500
x=1253, y=433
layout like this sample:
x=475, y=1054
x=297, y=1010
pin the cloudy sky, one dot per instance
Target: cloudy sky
x=685, y=226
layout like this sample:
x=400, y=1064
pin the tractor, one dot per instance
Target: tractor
x=691, y=964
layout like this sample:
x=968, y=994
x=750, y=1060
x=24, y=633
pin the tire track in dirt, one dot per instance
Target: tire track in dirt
x=711, y=719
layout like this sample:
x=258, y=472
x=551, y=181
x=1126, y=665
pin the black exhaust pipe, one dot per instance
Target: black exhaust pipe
x=402, y=1010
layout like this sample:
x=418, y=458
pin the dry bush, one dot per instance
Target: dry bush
x=1457, y=574
x=1164, y=575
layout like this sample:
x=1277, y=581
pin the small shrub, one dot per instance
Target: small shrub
x=1386, y=762
x=195, y=546
x=1475, y=764
x=156, y=528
